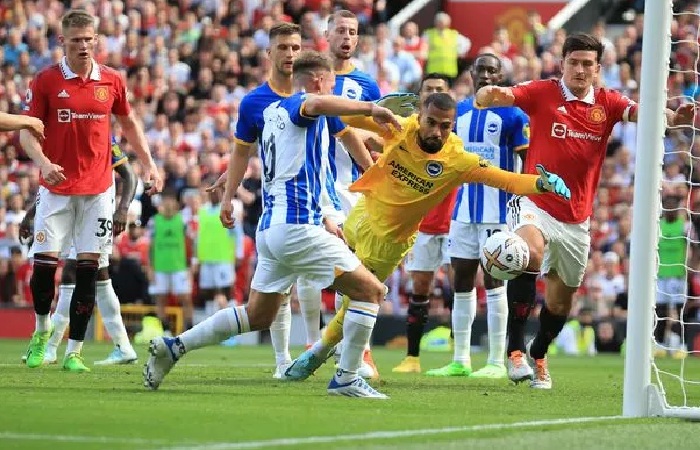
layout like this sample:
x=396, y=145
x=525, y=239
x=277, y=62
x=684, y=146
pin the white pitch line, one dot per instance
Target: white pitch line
x=284, y=442
x=6, y=435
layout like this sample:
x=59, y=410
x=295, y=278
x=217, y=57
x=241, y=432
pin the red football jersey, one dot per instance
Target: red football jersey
x=569, y=137
x=437, y=221
x=77, y=123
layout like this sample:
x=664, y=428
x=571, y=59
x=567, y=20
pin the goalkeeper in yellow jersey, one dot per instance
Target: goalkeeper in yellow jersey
x=419, y=166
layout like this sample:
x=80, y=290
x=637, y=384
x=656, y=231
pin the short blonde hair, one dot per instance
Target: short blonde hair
x=311, y=60
x=77, y=18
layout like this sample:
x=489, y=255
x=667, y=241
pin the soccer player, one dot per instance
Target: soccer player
x=342, y=35
x=421, y=164
x=495, y=134
x=285, y=45
x=571, y=123
x=75, y=99
x=428, y=253
x=106, y=298
x=291, y=237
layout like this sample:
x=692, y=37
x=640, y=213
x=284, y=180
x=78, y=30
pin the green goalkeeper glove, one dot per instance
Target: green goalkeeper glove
x=401, y=104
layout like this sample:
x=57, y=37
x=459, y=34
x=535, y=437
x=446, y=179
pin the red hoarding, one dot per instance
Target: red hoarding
x=478, y=19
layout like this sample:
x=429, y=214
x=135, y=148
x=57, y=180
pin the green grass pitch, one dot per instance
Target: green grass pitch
x=225, y=398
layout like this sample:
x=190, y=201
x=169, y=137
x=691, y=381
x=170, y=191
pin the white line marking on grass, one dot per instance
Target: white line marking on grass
x=387, y=434
x=6, y=435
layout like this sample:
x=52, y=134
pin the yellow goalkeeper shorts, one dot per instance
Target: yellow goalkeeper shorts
x=379, y=256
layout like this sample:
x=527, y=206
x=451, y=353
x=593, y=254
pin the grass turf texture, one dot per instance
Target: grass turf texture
x=225, y=398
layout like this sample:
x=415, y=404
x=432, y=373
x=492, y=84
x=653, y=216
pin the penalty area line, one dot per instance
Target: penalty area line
x=285, y=442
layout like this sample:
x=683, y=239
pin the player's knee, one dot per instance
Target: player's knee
x=421, y=282
x=262, y=310
x=535, y=243
x=559, y=297
x=418, y=307
x=68, y=273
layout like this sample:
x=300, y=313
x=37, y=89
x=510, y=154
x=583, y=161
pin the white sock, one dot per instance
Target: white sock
x=463, y=312
x=310, y=305
x=357, y=329
x=108, y=305
x=319, y=349
x=74, y=346
x=279, y=334
x=42, y=322
x=497, y=320
x=61, y=317
x=223, y=324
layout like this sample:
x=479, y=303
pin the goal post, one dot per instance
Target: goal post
x=643, y=397
x=647, y=180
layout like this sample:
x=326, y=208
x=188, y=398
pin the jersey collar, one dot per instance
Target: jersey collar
x=570, y=97
x=68, y=74
x=345, y=72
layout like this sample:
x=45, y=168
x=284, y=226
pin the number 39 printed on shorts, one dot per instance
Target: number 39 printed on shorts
x=104, y=227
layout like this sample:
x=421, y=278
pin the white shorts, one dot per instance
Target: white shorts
x=567, y=244
x=670, y=291
x=336, y=216
x=467, y=239
x=177, y=283
x=348, y=199
x=216, y=275
x=286, y=252
x=82, y=220
x=428, y=253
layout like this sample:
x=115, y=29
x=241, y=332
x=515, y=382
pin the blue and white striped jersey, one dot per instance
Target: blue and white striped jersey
x=250, y=122
x=355, y=85
x=495, y=134
x=294, y=151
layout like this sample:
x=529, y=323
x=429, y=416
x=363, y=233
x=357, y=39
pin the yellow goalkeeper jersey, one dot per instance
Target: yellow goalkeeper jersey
x=406, y=182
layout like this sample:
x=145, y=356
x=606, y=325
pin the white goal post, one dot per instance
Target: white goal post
x=643, y=397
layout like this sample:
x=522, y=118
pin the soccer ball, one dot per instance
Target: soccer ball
x=505, y=255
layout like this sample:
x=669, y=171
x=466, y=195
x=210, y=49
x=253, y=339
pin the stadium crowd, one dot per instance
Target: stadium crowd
x=188, y=64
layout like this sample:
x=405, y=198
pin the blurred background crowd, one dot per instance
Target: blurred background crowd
x=188, y=64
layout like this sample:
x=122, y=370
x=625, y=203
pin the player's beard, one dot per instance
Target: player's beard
x=430, y=145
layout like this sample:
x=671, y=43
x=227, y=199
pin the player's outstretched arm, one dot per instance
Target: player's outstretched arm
x=237, y=166
x=135, y=136
x=494, y=96
x=15, y=122
x=333, y=105
x=352, y=140
x=516, y=183
x=128, y=192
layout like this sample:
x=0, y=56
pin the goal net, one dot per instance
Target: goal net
x=662, y=368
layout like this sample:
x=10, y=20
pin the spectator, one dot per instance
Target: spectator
x=607, y=339
x=444, y=47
